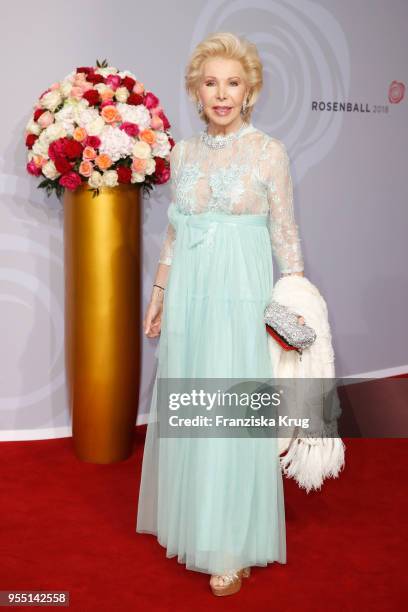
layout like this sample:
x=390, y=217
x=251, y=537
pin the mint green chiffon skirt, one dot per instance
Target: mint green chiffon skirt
x=216, y=503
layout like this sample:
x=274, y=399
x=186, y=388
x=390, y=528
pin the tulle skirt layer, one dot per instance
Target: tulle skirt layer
x=216, y=503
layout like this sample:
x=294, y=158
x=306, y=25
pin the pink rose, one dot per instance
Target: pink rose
x=33, y=169
x=156, y=123
x=113, y=81
x=70, y=180
x=150, y=100
x=108, y=102
x=79, y=78
x=89, y=153
x=139, y=165
x=93, y=141
x=396, y=92
x=44, y=92
x=130, y=128
x=77, y=93
x=138, y=87
x=45, y=119
x=85, y=86
x=86, y=168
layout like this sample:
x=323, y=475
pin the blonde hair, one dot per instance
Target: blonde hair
x=229, y=46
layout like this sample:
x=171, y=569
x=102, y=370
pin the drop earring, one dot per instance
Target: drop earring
x=244, y=107
x=200, y=107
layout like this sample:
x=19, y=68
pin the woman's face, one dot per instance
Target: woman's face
x=222, y=92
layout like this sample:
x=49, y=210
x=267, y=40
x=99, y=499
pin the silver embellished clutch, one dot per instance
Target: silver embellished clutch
x=282, y=324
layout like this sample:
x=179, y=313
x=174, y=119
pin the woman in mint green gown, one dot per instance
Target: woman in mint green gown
x=217, y=503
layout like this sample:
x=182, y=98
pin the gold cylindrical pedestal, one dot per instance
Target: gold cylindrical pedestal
x=102, y=253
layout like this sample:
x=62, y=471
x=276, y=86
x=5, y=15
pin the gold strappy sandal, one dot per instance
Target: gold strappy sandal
x=232, y=582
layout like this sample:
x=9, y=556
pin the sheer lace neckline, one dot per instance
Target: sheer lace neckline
x=220, y=141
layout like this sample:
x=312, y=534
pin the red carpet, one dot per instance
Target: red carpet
x=69, y=525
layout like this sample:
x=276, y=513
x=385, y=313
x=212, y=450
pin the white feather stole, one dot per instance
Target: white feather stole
x=318, y=454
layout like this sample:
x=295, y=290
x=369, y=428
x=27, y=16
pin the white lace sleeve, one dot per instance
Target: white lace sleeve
x=282, y=225
x=167, y=248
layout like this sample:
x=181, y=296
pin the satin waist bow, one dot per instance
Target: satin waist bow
x=202, y=226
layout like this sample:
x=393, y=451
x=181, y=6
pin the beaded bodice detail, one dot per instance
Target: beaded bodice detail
x=220, y=141
x=250, y=174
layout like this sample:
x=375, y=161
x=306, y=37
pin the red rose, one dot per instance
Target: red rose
x=160, y=164
x=62, y=165
x=162, y=171
x=130, y=128
x=84, y=69
x=30, y=140
x=37, y=113
x=73, y=149
x=93, y=141
x=94, y=77
x=124, y=174
x=56, y=148
x=128, y=82
x=150, y=100
x=33, y=169
x=134, y=99
x=172, y=143
x=92, y=96
x=71, y=180
x=163, y=117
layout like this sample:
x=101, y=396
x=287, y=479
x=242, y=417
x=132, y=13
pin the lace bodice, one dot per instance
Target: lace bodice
x=249, y=175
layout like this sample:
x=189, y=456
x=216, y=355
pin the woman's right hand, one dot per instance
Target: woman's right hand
x=153, y=316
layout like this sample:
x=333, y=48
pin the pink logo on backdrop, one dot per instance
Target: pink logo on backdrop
x=396, y=92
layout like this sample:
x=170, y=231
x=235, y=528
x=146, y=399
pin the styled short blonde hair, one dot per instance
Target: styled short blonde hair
x=229, y=46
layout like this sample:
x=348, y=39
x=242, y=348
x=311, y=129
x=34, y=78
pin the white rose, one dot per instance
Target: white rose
x=84, y=116
x=65, y=88
x=122, y=94
x=106, y=71
x=101, y=87
x=94, y=128
x=82, y=103
x=49, y=170
x=43, y=138
x=51, y=100
x=138, y=114
x=40, y=148
x=110, y=178
x=125, y=73
x=161, y=148
x=33, y=128
x=137, y=177
x=66, y=118
x=54, y=131
x=141, y=150
x=150, y=166
x=95, y=180
x=116, y=143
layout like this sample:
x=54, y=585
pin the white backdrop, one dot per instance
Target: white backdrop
x=348, y=168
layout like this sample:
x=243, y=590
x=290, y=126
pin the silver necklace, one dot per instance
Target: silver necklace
x=220, y=141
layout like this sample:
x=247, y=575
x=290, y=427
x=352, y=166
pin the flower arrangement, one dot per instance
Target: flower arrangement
x=101, y=127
